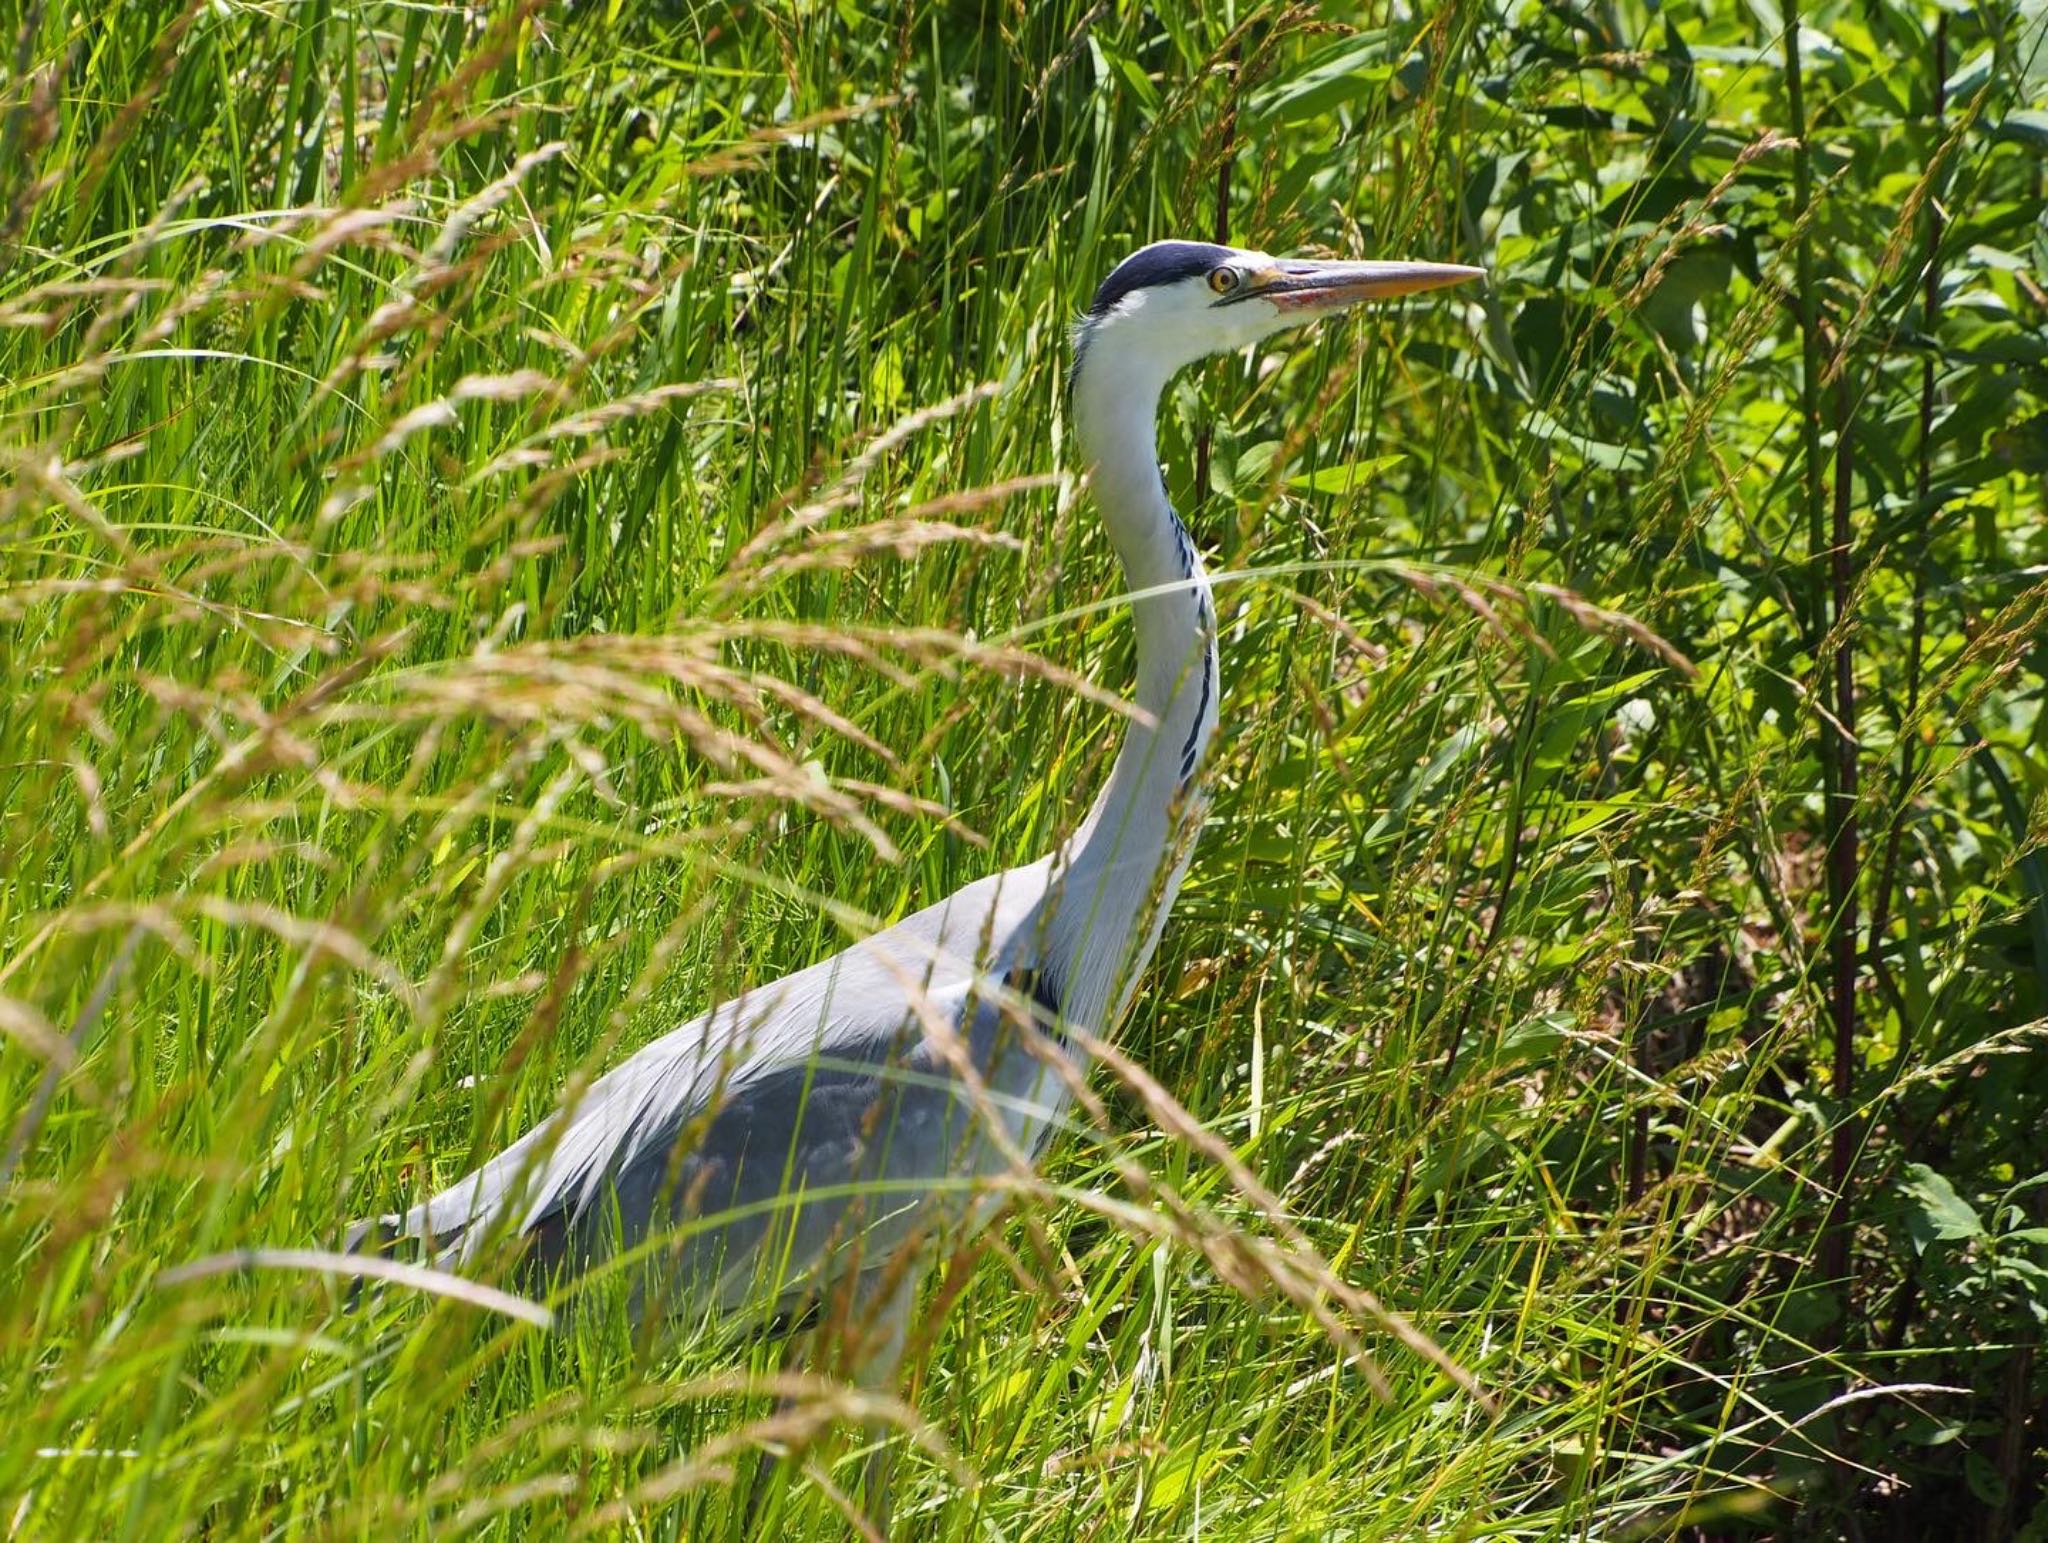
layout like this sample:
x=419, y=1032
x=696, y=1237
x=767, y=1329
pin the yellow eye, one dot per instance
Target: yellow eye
x=1224, y=280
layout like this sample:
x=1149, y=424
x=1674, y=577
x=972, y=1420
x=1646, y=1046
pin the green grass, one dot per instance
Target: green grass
x=514, y=524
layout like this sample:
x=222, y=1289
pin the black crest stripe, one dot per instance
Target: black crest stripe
x=1163, y=262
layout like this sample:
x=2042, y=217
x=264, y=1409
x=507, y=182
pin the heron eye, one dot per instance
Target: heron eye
x=1224, y=280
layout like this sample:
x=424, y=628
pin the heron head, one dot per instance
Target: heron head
x=1183, y=300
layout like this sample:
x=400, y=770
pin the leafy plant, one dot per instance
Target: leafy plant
x=519, y=521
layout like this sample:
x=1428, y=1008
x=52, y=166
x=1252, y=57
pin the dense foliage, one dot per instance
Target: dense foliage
x=517, y=520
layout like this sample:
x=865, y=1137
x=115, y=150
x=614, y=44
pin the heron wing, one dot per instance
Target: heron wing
x=847, y=1157
x=777, y=1093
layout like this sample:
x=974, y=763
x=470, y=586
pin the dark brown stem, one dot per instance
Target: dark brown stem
x=1228, y=154
x=1909, y=741
x=1834, y=1238
x=2012, y=1443
x=1637, y=1175
x=1806, y=306
x=1839, y=818
x=1224, y=158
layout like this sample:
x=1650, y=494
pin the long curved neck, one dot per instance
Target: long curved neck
x=1119, y=872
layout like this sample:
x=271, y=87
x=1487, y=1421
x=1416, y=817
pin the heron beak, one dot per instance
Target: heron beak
x=1318, y=288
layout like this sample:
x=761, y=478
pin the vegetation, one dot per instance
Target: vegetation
x=519, y=520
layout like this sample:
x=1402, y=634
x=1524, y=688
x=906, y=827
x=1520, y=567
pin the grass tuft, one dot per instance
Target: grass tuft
x=518, y=522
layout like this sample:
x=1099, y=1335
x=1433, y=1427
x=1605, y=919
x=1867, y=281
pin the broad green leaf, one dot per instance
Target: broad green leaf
x=1594, y=452
x=1935, y=1212
x=1326, y=81
x=2026, y=126
x=1347, y=478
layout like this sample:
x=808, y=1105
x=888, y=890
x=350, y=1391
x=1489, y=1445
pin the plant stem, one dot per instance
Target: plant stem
x=1909, y=744
x=1840, y=825
x=1224, y=157
x=1837, y=827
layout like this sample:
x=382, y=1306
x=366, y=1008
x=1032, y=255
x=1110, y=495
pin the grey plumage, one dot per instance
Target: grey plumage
x=831, y=1127
x=811, y=1114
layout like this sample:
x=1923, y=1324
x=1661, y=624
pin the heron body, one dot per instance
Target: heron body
x=832, y=1126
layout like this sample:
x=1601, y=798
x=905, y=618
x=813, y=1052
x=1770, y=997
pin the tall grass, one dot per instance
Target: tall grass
x=519, y=522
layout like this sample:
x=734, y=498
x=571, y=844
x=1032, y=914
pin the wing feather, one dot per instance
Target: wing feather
x=829, y=1022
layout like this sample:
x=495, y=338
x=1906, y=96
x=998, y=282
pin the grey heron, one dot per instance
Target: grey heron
x=824, y=1130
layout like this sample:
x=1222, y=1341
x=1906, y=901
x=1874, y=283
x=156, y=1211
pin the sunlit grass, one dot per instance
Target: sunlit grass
x=515, y=525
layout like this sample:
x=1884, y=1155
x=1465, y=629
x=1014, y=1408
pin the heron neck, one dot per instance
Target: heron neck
x=1124, y=865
